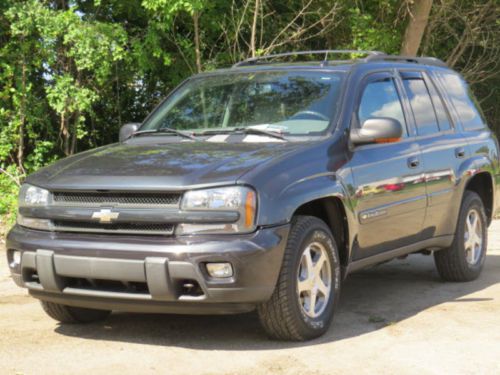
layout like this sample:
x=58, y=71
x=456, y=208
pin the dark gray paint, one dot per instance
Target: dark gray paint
x=398, y=197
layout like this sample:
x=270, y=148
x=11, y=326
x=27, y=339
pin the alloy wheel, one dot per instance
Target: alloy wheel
x=314, y=280
x=473, y=237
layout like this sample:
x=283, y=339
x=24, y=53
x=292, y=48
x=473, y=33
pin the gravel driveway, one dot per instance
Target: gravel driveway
x=397, y=318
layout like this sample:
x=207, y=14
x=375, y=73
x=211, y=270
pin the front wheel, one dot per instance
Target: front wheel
x=464, y=260
x=308, y=286
x=73, y=315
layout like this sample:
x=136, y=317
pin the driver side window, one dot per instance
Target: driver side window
x=380, y=99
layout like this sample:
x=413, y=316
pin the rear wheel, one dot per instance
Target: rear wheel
x=464, y=260
x=74, y=315
x=308, y=287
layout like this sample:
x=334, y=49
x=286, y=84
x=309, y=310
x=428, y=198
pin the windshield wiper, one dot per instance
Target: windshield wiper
x=166, y=130
x=247, y=130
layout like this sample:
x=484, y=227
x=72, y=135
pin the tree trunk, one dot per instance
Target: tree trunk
x=64, y=132
x=253, y=36
x=74, y=134
x=22, y=120
x=196, y=18
x=419, y=18
x=118, y=99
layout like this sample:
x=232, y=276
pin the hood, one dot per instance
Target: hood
x=145, y=164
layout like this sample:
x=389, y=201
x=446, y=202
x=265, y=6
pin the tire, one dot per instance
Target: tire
x=73, y=315
x=289, y=314
x=459, y=262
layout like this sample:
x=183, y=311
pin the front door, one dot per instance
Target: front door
x=390, y=195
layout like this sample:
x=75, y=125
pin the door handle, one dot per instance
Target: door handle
x=459, y=152
x=413, y=162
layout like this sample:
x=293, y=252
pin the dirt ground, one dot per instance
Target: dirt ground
x=398, y=318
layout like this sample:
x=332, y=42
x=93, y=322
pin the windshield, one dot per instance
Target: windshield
x=295, y=103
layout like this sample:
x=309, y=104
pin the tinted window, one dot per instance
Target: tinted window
x=421, y=104
x=289, y=102
x=380, y=99
x=441, y=112
x=463, y=100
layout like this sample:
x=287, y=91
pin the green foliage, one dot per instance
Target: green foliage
x=8, y=204
x=65, y=95
x=43, y=153
x=170, y=8
x=367, y=33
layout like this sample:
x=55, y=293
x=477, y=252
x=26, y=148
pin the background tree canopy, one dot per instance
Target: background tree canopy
x=72, y=72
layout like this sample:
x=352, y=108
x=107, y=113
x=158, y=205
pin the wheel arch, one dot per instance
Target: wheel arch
x=332, y=211
x=482, y=184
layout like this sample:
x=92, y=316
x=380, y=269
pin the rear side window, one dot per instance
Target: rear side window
x=422, y=107
x=380, y=99
x=463, y=100
x=441, y=112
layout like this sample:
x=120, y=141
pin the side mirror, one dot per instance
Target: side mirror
x=127, y=130
x=377, y=130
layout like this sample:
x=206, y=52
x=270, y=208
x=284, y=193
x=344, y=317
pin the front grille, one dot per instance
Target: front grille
x=97, y=199
x=119, y=228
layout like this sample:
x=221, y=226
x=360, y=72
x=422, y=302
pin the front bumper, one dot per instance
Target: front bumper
x=145, y=273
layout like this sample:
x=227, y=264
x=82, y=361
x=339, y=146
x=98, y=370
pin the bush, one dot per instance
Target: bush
x=8, y=200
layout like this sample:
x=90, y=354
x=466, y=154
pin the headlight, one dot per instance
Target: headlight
x=33, y=196
x=239, y=199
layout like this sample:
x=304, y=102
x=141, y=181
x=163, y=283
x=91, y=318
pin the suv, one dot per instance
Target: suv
x=263, y=186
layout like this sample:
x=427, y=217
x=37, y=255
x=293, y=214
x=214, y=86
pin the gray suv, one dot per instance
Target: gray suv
x=262, y=187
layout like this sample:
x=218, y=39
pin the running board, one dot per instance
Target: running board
x=437, y=242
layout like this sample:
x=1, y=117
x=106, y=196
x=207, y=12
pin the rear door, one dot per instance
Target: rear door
x=467, y=115
x=443, y=149
x=389, y=183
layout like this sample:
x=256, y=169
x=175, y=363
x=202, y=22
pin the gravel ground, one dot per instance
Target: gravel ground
x=397, y=318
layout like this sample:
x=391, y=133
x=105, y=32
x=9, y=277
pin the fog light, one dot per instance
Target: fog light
x=16, y=259
x=220, y=270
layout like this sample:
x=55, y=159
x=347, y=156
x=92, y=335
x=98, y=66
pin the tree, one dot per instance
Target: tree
x=419, y=17
x=169, y=9
x=76, y=59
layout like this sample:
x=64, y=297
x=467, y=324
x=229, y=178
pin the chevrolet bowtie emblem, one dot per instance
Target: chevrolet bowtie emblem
x=105, y=216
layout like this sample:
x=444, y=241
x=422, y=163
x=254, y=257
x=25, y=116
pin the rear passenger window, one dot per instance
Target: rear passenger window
x=421, y=104
x=380, y=99
x=463, y=100
x=441, y=112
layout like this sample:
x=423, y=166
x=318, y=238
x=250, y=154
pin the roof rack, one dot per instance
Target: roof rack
x=326, y=52
x=371, y=56
x=410, y=59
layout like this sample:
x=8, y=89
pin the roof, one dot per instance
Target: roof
x=350, y=59
x=353, y=56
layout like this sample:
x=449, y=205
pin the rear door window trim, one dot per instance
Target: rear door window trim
x=428, y=80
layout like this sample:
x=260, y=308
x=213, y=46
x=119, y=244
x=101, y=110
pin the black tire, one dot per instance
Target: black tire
x=452, y=263
x=283, y=316
x=73, y=315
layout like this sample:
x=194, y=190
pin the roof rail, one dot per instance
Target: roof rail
x=410, y=59
x=326, y=52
